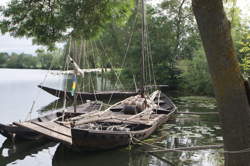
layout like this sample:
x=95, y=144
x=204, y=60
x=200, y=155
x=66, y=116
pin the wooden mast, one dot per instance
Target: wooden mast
x=142, y=48
x=75, y=97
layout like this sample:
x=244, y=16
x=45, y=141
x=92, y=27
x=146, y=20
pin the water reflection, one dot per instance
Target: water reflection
x=64, y=156
x=122, y=157
x=13, y=151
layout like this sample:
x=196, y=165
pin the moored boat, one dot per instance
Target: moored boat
x=135, y=117
x=82, y=96
x=120, y=129
x=13, y=131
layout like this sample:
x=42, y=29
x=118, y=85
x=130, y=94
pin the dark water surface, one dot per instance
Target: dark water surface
x=18, y=90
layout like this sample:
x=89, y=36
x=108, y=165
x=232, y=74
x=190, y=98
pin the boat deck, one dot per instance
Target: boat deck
x=85, y=108
x=52, y=130
x=62, y=132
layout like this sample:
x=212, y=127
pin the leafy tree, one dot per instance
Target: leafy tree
x=49, y=21
x=3, y=59
x=195, y=75
x=179, y=14
x=45, y=59
x=161, y=40
x=21, y=61
x=15, y=61
x=29, y=62
x=50, y=59
x=245, y=50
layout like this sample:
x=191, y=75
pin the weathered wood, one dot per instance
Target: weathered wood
x=146, y=111
x=198, y=113
x=96, y=70
x=84, y=121
x=16, y=132
x=89, y=96
x=114, y=129
x=162, y=149
x=156, y=86
x=192, y=148
x=50, y=129
x=96, y=113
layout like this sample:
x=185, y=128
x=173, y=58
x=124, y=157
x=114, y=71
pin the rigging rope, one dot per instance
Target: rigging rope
x=125, y=56
x=91, y=79
x=111, y=64
x=149, y=58
x=128, y=45
x=28, y=116
x=67, y=75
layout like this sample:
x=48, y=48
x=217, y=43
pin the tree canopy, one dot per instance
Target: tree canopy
x=49, y=21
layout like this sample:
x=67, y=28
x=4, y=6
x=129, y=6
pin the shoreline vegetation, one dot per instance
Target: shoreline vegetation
x=27, y=61
x=186, y=75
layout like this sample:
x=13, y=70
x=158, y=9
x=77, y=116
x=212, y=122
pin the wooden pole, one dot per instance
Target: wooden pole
x=162, y=149
x=142, y=49
x=198, y=113
x=75, y=103
x=192, y=148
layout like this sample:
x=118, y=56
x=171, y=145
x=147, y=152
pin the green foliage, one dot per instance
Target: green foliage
x=50, y=59
x=162, y=42
x=244, y=52
x=43, y=60
x=49, y=21
x=20, y=61
x=195, y=77
x=3, y=59
x=233, y=13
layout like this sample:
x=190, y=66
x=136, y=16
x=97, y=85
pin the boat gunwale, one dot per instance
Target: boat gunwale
x=155, y=123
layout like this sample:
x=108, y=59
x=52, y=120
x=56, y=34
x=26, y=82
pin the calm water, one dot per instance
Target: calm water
x=18, y=90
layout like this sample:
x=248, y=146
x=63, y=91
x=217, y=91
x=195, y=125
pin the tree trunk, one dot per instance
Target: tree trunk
x=228, y=84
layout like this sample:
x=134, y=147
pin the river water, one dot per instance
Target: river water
x=18, y=92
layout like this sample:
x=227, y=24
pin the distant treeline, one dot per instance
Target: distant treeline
x=43, y=60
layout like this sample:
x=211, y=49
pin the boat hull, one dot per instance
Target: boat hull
x=109, y=129
x=12, y=131
x=16, y=132
x=82, y=96
x=91, y=140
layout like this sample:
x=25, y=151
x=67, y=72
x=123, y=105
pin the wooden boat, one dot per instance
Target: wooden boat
x=13, y=131
x=112, y=128
x=120, y=129
x=82, y=96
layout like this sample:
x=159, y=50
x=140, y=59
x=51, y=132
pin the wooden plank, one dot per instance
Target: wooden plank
x=198, y=113
x=84, y=108
x=50, y=129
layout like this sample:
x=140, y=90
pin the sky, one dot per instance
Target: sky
x=24, y=45
x=17, y=45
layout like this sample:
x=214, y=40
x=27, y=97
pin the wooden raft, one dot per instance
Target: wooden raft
x=52, y=130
